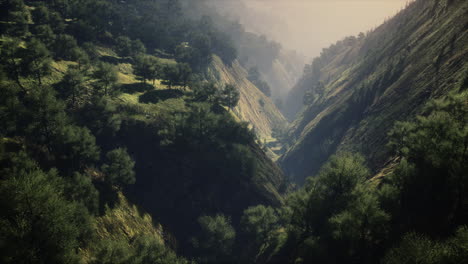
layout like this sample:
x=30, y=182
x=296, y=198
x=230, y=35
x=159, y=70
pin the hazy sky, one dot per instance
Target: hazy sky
x=314, y=24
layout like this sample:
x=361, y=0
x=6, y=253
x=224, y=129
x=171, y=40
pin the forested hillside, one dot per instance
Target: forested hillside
x=379, y=148
x=119, y=142
x=144, y=131
x=359, y=87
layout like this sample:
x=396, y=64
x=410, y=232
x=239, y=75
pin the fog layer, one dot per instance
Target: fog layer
x=310, y=25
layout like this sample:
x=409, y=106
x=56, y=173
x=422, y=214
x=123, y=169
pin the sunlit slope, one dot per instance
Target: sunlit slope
x=254, y=107
x=329, y=66
x=418, y=55
x=124, y=223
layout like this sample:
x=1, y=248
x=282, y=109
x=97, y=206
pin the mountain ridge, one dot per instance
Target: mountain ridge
x=398, y=73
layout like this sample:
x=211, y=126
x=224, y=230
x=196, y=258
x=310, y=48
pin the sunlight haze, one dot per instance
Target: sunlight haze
x=311, y=25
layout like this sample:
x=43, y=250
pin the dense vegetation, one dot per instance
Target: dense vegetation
x=120, y=115
x=416, y=214
x=104, y=101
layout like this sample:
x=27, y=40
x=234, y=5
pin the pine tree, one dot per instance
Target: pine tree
x=106, y=75
x=72, y=85
x=36, y=61
x=119, y=168
x=230, y=96
x=216, y=239
x=38, y=225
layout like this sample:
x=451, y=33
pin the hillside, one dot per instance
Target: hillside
x=115, y=146
x=419, y=54
x=254, y=106
x=331, y=63
x=177, y=179
x=144, y=132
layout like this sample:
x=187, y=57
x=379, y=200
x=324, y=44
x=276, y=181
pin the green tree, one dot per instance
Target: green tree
x=91, y=50
x=57, y=23
x=202, y=45
x=119, y=168
x=432, y=177
x=106, y=75
x=216, y=239
x=137, y=47
x=11, y=109
x=11, y=61
x=36, y=60
x=100, y=115
x=171, y=74
x=148, y=249
x=41, y=15
x=38, y=225
x=80, y=189
x=45, y=118
x=112, y=252
x=72, y=85
x=45, y=34
x=317, y=214
x=185, y=53
x=206, y=92
x=130, y=48
x=230, y=96
x=75, y=148
x=224, y=46
x=185, y=73
x=66, y=47
x=258, y=222
x=83, y=59
x=15, y=13
x=147, y=67
x=334, y=187
x=416, y=248
x=124, y=46
x=362, y=226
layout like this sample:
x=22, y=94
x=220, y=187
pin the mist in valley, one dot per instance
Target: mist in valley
x=308, y=26
x=302, y=29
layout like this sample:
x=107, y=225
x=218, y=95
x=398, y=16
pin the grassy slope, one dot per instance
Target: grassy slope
x=423, y=50
x=124, y=222
x=262, y=118
x=331, y=70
